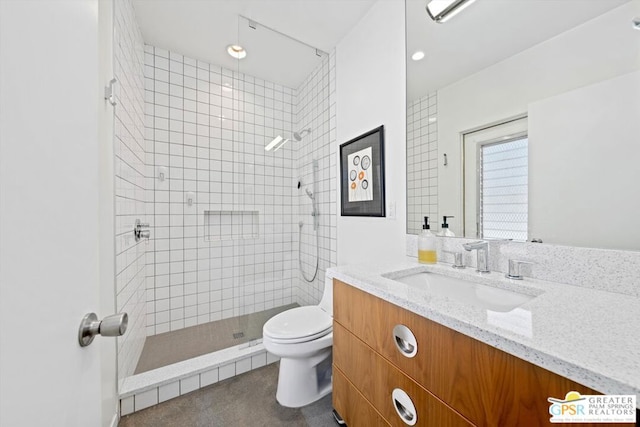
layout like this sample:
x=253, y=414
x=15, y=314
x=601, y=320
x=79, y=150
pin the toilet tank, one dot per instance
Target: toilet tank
x=326, y=303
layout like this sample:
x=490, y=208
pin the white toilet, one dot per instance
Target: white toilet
x=302, y=337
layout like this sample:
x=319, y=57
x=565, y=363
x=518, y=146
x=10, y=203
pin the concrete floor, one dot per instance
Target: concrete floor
x=247, y=400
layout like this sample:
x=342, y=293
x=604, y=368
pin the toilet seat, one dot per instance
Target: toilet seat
x=300, y=324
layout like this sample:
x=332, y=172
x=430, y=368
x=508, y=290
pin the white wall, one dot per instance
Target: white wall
x=601, y=122
x=600, y=49
x=370, y=81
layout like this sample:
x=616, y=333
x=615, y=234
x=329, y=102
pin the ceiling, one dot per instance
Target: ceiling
x=486, y=32
x=202, y=29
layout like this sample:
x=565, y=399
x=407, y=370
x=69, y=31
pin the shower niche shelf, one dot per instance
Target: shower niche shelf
x=231, y=225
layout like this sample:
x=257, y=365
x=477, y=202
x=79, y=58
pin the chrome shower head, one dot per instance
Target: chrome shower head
x=309, y=193
x=298, y=135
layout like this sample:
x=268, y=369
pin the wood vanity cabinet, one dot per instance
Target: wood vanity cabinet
x=453, y=380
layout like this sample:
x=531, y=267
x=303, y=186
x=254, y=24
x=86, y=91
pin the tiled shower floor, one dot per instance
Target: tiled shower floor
x=183, y=344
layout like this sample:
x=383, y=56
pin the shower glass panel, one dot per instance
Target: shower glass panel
x=223, y=256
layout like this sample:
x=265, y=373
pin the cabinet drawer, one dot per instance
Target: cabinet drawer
x=486, y=385
x=354, y=409
x=377, y=379
x=373, y=321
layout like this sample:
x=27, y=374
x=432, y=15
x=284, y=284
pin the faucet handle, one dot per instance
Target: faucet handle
x=514, y=269
x=458, y=261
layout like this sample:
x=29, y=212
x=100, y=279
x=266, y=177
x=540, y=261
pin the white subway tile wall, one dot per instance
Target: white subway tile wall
x=206, y=129
x=130, y=184
x=316, y=110
x=422, y=163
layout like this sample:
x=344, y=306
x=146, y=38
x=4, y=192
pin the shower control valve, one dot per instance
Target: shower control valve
x=141, y=230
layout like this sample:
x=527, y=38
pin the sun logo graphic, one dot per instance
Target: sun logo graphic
x=605, y=408
x=569, y=407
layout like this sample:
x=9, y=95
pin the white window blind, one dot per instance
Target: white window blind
x=504, y=189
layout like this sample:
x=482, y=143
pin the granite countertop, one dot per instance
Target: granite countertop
x=589, y=336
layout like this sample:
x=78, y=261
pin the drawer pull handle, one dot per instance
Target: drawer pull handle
x=404, y=413
x=405, y=341
x=404, y=407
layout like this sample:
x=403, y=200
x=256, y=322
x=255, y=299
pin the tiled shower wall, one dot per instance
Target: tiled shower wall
x=130, y=185
x=316, y=110
x=422, y=163
x=206, y=129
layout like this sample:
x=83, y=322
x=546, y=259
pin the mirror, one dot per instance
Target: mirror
x=570, y=71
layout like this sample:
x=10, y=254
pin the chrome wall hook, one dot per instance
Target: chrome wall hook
x=110, y=92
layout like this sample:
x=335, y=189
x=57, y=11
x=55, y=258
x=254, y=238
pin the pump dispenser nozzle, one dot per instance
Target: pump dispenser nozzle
x=445, y=227
x=426, y=223
x=444, y=221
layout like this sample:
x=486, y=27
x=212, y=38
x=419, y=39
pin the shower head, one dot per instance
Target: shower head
x=298, y=135
x=309, y=193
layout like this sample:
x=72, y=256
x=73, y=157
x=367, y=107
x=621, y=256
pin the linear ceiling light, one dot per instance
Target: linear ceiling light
x=443, y=10
x=276, y=144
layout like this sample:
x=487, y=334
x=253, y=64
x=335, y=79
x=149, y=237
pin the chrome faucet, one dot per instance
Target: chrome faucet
x=514, y=269
x=483, y=254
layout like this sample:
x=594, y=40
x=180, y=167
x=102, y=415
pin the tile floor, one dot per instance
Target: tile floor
x=248, y=400
x=183, y=344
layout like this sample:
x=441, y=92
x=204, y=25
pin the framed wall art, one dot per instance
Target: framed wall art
x=362, y=175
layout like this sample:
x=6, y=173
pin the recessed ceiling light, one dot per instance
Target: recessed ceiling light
x=418, y=55
x=636, y=23
x=236, y=51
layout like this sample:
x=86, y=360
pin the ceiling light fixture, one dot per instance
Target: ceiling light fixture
x=417, y=55
x=276, y=144
x=636, y=23
x=236, y=51
x=443, y=10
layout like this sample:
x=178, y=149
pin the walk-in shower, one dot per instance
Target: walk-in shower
x=226, y=250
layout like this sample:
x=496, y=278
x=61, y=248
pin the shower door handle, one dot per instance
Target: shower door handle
x=111, y=326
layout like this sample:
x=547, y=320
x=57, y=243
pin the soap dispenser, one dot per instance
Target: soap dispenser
x=445, y=232
x=427, y=245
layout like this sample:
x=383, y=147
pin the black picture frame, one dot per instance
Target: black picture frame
x=363, y=194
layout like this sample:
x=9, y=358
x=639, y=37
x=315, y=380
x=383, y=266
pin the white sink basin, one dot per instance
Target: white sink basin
x=464, y=291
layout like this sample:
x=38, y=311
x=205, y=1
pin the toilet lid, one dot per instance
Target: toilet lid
x=301, y=322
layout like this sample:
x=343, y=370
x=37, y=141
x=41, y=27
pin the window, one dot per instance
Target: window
x=496, y=181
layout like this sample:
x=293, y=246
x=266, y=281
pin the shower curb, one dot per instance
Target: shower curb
x=159, y=385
